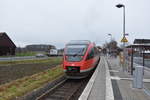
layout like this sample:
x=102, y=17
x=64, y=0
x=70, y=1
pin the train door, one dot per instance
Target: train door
x=90, y=58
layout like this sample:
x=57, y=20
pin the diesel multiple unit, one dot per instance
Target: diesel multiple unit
x=80, y=58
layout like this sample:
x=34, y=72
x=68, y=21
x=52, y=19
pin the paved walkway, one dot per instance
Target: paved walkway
x=99, y=86
x=110, y=82
x=122, y=83
x=98, y=89
x=147, y=79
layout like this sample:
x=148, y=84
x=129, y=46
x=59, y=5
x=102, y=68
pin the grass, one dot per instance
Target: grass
x=26, y=54
x=22, y=86
x=22, y=54
x=55, y=60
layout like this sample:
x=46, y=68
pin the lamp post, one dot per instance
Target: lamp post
x=110, y=42
x=124, y=33
x=110, y=36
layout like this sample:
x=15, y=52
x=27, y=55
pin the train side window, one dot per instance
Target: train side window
x=90, y=54
x=96, y=52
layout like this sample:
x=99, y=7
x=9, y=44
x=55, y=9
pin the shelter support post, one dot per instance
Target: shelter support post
x=132, y=62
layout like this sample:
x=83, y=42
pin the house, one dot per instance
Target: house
x=7, y=47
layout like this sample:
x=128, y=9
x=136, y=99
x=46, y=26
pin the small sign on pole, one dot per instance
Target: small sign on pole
x=124, y=39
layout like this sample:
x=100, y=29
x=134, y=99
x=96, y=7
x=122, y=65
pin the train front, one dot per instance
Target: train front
x=74, y=60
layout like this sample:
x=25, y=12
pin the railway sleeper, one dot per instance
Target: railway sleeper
x=56, y=97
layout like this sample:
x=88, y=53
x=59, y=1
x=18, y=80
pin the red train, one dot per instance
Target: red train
x=80, y=58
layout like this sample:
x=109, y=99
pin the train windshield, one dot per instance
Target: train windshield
x=75, y=52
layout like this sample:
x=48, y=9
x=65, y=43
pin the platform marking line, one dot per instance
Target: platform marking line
x=109, y=90
x=147, y=91
x=115, y=78
x=115, y=71
x=146, y=80
x=119, y=78
x=130, y=79
x=85, y=94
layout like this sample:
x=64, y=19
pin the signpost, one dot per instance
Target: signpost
x=124, y=39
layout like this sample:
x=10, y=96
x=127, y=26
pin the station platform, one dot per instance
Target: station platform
x=110, y=82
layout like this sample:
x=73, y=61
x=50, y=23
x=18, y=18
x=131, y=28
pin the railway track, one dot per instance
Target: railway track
x=66, y=90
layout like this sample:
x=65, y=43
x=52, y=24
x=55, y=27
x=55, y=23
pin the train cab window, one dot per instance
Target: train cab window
x=90, y=54
x=75, y=52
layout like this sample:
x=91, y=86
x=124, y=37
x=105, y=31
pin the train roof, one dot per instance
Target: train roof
x=74, y=42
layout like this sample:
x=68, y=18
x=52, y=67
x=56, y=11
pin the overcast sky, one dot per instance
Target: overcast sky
x=59, y=21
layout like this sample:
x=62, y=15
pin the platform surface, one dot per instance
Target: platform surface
x=98, y=89
x=122, y=83
x=112, y=83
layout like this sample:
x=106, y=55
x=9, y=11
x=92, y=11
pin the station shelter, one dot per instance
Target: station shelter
x=140, y=49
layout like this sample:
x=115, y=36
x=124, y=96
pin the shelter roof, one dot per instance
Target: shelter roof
x=142, y=46
x=141, y=41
